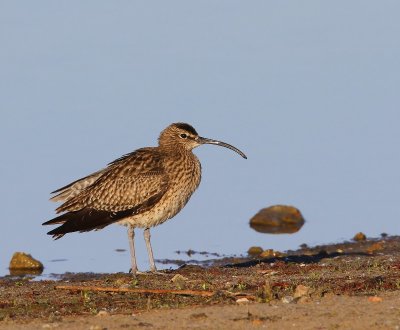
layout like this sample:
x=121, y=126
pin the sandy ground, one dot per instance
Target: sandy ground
x=343, y=286
x=335, y=312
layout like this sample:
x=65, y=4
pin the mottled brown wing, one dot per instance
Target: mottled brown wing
x=134, y=181
x=74, y=188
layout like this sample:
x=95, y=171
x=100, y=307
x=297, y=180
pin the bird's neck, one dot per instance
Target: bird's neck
x=176, y=150
x=181, y=157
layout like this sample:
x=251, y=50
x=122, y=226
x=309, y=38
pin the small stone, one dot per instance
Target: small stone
x=359, y=237
x=179, y=281
x=178, y=277
x=103, y=313
x=277, y=219
x=267, y=272
x=50, y=325
x=242, y=301
x=21, y=260
x=287, y=299
x=255, y=250
x=267, y=253
x=375, y=299
x=279, y=254
x=301, y=291
x=375, y=247
x=96, y=327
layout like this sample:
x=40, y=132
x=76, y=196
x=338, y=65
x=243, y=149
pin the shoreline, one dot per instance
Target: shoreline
x=363, y=277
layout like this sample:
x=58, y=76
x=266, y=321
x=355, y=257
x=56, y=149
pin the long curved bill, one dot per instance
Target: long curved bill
x=203, y=140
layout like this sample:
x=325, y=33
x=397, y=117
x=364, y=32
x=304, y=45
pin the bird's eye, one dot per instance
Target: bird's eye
x=183, y=136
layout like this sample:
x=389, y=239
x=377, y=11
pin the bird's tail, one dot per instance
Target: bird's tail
x=84, y=220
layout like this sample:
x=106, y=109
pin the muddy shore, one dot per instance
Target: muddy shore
x=352, y=285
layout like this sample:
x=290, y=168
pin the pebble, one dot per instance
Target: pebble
x=50, y=325
x=287, y=299
x=277, y=219
x=301, y=291
x=242, y=301
x=267, y=272
x=267, y=254
x=359, y=237
x=179, y=278
x=255, y=250
x=375, y=247
x=96, y=327
x=179, y=281
x=21, y=260
x=103, y=313
x=375, y=299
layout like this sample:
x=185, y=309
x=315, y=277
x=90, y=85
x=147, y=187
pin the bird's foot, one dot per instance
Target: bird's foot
x=134, y=271
x=150, y=272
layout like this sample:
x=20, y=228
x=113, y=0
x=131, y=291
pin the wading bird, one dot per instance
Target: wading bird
x=141, y=189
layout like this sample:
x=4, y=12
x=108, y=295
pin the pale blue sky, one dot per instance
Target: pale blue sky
x=309, y=90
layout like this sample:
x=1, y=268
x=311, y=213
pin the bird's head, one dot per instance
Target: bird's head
x=182, y=135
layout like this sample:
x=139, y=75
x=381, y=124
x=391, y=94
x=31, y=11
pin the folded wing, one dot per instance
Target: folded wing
x=129, y=186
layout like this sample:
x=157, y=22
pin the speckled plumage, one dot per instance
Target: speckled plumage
x=141, y=189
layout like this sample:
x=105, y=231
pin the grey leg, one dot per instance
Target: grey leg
x=146, y=234
x=131, y=238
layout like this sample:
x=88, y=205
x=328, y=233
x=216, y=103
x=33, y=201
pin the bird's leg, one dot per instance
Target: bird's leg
x=131, y=238
x=146, y=235
x=153, y=268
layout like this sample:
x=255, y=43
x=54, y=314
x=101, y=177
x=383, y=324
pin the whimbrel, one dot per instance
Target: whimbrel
x=141, y=189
